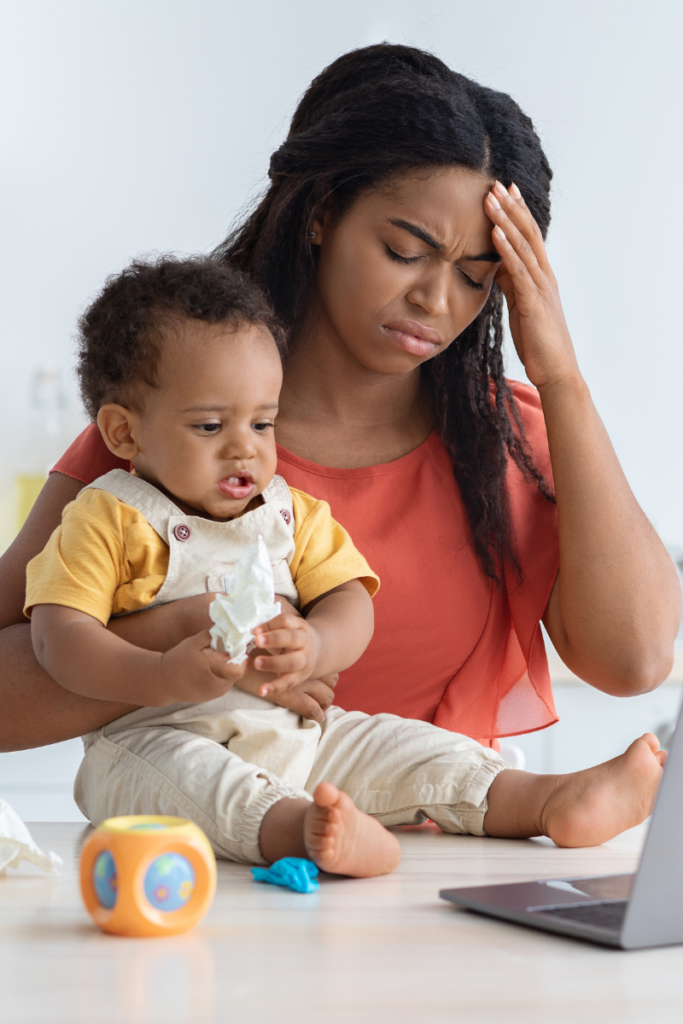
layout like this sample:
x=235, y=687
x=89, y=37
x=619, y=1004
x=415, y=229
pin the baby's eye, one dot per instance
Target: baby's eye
x=261, y=427
x=208, y=428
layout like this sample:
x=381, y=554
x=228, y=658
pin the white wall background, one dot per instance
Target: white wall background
x=135, y=125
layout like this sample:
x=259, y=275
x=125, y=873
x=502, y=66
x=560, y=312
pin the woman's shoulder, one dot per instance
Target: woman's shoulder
x=88, y=457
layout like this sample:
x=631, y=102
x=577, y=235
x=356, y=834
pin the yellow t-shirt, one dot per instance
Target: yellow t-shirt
x=105, y=559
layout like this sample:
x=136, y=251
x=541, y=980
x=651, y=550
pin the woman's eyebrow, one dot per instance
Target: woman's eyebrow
x=484, y=257
x=417, y=232
x=424, y=236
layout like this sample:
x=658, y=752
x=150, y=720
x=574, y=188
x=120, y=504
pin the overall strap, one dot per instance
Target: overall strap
x=145, y=497
x=278, y=493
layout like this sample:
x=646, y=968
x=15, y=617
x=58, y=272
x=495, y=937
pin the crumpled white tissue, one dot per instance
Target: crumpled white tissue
x=16, y=844
x=250, y=601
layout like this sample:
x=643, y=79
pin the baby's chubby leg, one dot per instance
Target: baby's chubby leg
x=580, y=809
x=332, y=832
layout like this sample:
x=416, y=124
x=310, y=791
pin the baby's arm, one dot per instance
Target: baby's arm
x=333, y=633
x=83, y=656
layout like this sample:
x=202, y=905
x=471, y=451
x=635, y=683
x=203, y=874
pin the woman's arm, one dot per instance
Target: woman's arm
x=615, y=608
x=37, y=711
x=85, y=657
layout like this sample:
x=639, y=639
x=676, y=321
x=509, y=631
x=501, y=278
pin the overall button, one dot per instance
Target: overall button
x=286, y=515
x=181, y=532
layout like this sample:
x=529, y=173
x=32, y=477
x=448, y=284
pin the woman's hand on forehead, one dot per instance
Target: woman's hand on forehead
x=537, y=322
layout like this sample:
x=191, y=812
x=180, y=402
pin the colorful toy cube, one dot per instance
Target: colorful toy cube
x=147, y=875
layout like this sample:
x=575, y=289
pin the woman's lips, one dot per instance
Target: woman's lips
x=237, y=486
x=413, y=337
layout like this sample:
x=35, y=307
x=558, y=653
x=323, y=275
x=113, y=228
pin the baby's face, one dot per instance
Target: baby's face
x=205, y=436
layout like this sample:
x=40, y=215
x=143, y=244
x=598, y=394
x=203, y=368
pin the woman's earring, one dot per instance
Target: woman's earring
x=312, y=234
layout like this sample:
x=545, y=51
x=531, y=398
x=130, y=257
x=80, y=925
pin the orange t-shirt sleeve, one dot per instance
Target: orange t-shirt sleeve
x=88, y=457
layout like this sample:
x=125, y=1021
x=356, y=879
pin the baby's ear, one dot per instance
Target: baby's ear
x=117, y=427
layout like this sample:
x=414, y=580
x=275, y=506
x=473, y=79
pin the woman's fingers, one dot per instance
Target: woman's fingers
x=515, y=243
x=300, y=701
x=278, y=685
x=518, y=256
x=518, y=213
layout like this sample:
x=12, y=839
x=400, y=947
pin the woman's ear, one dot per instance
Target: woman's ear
x=117, y=427
x=318, y=228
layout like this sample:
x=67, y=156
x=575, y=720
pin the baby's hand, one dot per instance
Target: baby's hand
x=293, y=647
x=192, y=672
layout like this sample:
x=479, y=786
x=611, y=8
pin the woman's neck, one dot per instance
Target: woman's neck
x=336, y=412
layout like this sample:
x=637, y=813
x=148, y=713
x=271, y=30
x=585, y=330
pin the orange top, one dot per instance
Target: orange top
x=449, y=646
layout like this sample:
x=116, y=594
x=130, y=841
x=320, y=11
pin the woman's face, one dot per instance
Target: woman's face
x=407, y=269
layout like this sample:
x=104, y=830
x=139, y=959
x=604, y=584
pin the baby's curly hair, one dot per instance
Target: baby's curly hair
x=120, y=335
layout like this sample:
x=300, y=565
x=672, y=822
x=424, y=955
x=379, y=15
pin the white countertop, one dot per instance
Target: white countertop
x=374, y=950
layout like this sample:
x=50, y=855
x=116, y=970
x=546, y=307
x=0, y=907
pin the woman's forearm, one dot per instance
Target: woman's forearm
x=35, y=709
x=615, y=608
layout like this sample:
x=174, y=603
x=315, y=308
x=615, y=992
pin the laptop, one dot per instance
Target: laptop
x=633, y=911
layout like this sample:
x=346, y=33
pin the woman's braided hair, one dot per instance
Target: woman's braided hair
x=371, y=115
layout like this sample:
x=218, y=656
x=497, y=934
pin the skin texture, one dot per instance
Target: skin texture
x=349, y=399
x=205, y=438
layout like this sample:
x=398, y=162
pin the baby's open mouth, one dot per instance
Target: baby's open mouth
x=237, y=486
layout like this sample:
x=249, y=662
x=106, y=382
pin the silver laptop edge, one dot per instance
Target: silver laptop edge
x=627, y=911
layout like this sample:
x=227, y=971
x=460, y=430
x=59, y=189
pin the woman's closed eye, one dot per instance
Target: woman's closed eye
x=392, y=254
x=477, y=285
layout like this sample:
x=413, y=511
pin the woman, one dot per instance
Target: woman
x=405, y=202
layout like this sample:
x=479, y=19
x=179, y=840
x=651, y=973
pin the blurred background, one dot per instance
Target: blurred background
x=134, y=126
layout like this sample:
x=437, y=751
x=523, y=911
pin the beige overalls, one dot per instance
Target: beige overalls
x=224, y=763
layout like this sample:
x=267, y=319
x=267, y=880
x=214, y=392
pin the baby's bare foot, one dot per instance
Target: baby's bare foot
x=343, y=840
x=588, y=808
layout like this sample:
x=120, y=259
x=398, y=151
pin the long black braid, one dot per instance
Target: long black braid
x=372, y=114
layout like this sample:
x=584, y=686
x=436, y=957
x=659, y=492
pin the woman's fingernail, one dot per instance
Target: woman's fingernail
x=515, y=191
x=494, y=201
x=500, y=188
x=500, y=232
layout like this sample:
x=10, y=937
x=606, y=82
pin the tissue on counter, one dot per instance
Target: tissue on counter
x=17, y=844
x=250, y=601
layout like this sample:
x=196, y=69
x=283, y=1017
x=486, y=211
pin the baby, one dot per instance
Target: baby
x=180, y=363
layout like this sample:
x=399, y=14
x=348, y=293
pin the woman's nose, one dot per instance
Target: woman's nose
x=431, y=291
